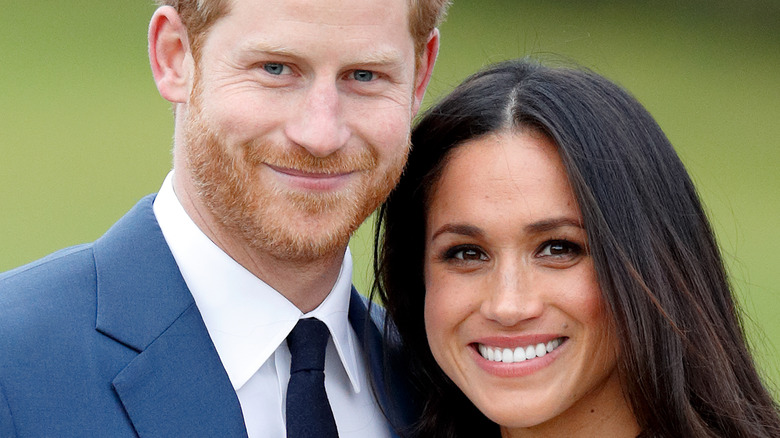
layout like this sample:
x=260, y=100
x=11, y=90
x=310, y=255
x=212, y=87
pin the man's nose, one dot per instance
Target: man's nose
x=319, y=125
x=513, y=297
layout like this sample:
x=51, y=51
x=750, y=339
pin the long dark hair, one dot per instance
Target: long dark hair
x=684, y=363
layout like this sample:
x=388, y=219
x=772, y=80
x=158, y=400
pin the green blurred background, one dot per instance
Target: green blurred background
x=84, y=134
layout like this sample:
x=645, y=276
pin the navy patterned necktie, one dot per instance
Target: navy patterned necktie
x=308, y=410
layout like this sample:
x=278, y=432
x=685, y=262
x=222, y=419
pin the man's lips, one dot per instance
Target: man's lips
x=313, y=180
x=309, y=173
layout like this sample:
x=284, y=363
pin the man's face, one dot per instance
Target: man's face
x=298, y=122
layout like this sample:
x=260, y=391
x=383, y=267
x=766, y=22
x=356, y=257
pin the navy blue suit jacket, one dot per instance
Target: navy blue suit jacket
x=105, y=340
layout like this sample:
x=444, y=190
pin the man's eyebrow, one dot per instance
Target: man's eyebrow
x=374, y=57
x=379, y=57
x=265, y=47
x=461, y=229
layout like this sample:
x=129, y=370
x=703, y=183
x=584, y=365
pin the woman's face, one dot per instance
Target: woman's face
x=513, y=310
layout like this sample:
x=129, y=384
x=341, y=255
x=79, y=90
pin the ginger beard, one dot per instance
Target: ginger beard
x=274, y=218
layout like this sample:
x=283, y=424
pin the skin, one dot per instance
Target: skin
x=291, y=129
x=506, y=265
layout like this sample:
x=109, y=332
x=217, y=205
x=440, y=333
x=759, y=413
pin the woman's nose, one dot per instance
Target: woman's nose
x=512, y=297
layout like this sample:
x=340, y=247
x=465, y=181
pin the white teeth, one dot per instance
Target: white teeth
x=518, y=354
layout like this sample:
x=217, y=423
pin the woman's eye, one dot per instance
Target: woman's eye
x=276, y=68
x=363, y=75
x=559, y=249
x=466, y=254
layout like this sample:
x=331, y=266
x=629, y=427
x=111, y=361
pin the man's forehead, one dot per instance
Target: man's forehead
x=377, y=29
x=334, y=12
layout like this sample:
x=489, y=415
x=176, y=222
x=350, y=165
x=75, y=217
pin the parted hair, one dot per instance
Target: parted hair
x=199, y=15
x=684, y=362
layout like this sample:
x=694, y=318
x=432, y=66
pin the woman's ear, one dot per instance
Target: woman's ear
x=169, y=55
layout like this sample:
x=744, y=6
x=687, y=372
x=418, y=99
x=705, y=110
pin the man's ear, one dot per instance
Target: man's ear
x=169, y=55
x=425, y=69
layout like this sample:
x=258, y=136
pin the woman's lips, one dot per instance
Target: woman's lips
x=519, y=353
x=516, y=359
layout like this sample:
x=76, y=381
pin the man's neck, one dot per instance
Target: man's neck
x=304, y=283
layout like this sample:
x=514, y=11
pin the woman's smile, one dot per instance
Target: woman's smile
x=520, y=353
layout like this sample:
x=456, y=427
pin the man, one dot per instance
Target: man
x=292, y=120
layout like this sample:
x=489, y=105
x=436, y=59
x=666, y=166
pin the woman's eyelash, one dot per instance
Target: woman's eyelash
x=464, y=253
x=559, y=247
x=553, y=249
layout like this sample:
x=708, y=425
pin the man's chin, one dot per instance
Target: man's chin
x=304, y=248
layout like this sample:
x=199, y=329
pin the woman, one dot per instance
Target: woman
x=547, y=248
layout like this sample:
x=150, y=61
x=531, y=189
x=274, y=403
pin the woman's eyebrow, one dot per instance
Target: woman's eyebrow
x=536, y=227
x=460, y=229
x=551, y=224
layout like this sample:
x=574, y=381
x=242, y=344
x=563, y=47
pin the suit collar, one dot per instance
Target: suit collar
x=139, y=289
x=176, y=386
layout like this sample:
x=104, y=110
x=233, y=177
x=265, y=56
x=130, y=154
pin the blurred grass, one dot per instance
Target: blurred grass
x=84, y=134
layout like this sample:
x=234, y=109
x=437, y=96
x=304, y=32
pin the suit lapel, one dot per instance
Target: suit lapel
x=176, y=386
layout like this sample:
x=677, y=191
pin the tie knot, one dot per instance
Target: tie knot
x=307, y=343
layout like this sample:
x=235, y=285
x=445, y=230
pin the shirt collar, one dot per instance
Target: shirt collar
x=246, y=318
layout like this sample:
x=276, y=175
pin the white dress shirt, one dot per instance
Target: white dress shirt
x=249, y=321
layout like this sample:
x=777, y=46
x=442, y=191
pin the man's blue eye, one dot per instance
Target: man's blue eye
x=274, y=68
x=363, y=75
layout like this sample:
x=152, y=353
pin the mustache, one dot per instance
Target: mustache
x=294, y=157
